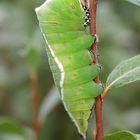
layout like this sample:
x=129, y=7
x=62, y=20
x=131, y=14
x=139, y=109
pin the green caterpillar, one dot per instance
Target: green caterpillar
x=68, y=44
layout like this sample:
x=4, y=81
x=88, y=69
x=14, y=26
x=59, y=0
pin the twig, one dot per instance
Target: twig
x=105, y=92
x=98, y=104
x=35, y=102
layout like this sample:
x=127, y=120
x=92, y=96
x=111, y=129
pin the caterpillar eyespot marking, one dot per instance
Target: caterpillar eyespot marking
x=68, y=49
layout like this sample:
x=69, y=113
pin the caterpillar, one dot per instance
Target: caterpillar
x=71, y=62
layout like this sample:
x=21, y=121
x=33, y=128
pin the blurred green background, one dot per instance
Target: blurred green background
x=24, y=67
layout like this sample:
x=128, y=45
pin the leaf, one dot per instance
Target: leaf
x=121, y=135
x=32, y=51
x=136, y=2
x=9, y=129
x=49, y=103
x=33, y=58
x=8, y=136
x=138, y=137
x=126, y=72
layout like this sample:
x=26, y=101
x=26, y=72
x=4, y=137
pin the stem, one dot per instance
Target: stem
x=99, y=103
x=99, y=123
x=105, y=92
x=35, y=102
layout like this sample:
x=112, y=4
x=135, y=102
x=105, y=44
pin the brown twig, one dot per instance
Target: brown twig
x=35, y=102
x=98, y=104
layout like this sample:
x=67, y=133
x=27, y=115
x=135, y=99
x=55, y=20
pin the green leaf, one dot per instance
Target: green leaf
x=126, y=72
x=9, y=129
x=136, y=2
x=8, y=136
x=122, y=135
x=49, y=103
x=138, y=137
x=33, y=58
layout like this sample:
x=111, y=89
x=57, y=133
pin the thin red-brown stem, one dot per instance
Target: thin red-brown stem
x=99, y=103
x=35, y=102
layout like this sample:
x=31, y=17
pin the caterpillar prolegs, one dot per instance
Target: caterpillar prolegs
x=68, y=44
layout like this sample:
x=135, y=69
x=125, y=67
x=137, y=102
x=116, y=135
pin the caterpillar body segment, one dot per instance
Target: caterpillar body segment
x=71, y=62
